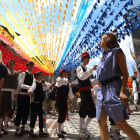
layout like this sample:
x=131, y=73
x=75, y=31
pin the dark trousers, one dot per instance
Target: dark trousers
x=87, y=106
x=36, y=110
x=23, y=108
x=62, y=107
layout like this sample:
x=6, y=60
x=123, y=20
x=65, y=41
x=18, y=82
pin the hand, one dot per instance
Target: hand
x=74, y=98
x=46, y=98
x=15, y=95
x=53, y=85
x=69, y=81
x=124, y=98
x=95, y=67
x=29, y=93
x=72, y=85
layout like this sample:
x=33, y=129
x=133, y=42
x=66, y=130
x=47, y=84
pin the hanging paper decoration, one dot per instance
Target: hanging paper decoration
x=96, y=28
x=52, y=37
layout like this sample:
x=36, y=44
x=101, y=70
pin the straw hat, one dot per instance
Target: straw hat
x=0, y=57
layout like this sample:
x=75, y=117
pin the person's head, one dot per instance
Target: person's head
x=63, y=73
x=38, y=75
x=134, y=78
x=109, y=40
x=0, y=57
x=19, y=71
x=30, y=66
x=43, y=81
x=10, y=65
x=85, y=58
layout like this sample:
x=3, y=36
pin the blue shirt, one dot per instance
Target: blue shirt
x=3, y=71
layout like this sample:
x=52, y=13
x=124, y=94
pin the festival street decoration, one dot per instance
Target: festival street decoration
x=54, y=33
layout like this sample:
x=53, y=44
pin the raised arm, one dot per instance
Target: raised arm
x=46, y=86
x=84, y=75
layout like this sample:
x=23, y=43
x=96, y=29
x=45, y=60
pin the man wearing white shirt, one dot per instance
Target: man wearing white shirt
x=8, y=94
x=23, y=108
x=87, y=108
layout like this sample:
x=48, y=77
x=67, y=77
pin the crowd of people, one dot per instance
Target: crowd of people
x=24, y=96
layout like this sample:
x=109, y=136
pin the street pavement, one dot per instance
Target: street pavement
x=71, y=127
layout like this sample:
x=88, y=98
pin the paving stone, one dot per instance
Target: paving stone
x=72, y=128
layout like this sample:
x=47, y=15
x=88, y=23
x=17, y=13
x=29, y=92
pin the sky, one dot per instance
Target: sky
x=125, y=44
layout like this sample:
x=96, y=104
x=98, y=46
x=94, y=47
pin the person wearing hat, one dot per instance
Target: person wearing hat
x=87, y=108
x=63, y=89
x=8, y=94
x=3, y=74
x=23, y=108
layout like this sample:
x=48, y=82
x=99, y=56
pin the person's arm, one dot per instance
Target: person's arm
x=46, y=86
x=61, y=81
x=84, y=75
x=4, y=73
x=94, y=81
x=21, y=81
x=121, y=61
x=32, y=88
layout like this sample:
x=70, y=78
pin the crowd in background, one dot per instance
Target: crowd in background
x=23, y=95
